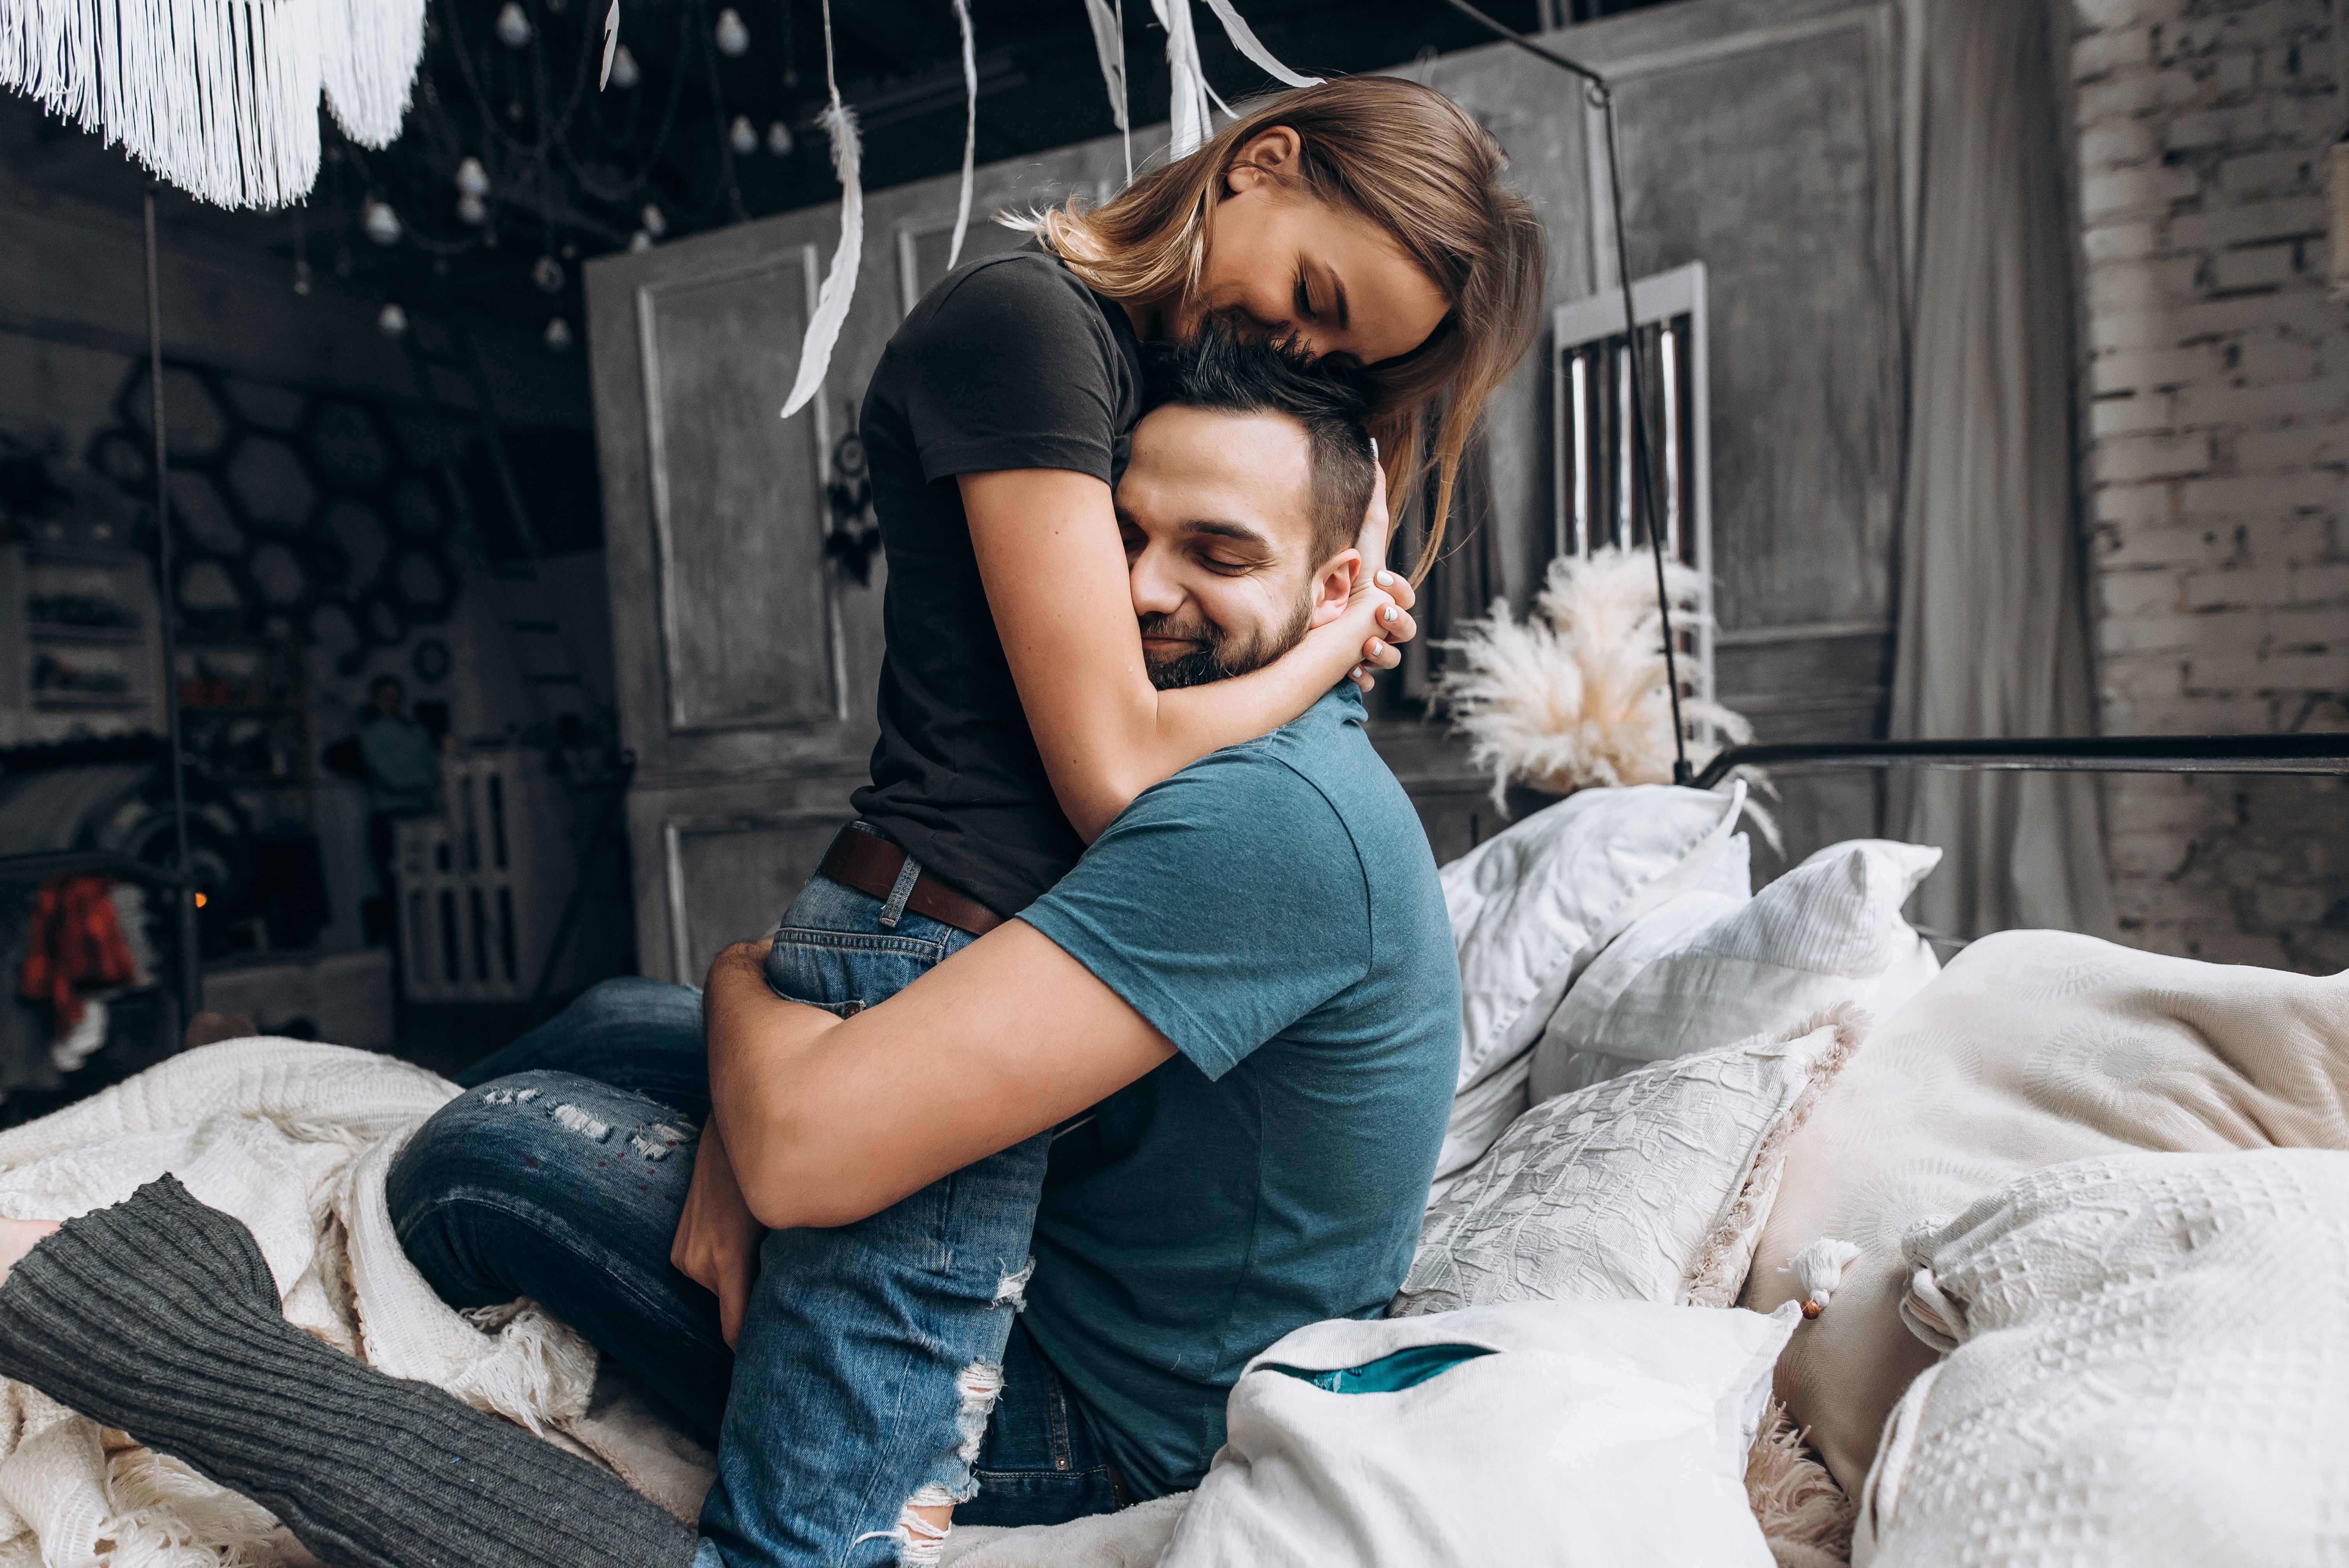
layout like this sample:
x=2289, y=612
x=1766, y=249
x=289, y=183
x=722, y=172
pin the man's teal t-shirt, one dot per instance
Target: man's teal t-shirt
x=1273, y=910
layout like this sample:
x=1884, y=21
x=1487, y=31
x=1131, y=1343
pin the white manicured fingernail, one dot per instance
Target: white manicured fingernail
x=1384, y=578
x=1377, y=647
x=1389, y=613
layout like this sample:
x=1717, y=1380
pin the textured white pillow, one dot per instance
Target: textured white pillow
x=1650, y=1188
x=1533, y=904
x=1700, y=970
x=1597, y=1434
x=2148, y=1371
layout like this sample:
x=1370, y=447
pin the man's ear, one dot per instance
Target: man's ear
x=1333, y=586
x=1269, y=156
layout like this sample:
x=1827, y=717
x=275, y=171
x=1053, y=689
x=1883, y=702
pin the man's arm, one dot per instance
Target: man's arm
x=827, y=1120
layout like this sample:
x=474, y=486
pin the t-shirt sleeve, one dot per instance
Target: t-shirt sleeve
x=1015, y=368
x=1224, y=905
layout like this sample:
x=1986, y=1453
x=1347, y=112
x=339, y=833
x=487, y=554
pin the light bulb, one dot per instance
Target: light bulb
x=655, y=224
x=558, y=334
x=623, y=69
x=743, y=136
x=640, y=240
x=547, y=273
x=733, y=37
x=472, y=210
x=778, y=139
x=472, y=179
x=381, y=224
x=514, y=28
x=392, y=321
x=301, y=275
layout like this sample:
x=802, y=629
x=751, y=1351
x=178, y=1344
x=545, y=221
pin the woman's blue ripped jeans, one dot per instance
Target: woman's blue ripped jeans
x=878, y=1368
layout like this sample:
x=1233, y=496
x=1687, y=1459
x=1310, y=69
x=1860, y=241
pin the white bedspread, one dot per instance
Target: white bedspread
x=294, y=1139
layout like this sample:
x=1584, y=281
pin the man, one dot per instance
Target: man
x=1239, y=1011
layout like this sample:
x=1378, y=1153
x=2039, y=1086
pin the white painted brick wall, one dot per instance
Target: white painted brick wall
x=2218, y=457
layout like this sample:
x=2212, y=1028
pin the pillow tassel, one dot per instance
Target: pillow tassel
x=1818, y=1269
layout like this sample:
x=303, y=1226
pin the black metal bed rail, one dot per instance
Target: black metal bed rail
x=2074, y=754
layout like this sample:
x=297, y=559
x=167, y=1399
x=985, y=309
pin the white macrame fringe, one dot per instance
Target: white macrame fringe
x=840, y=281
x=970, y=131
x=1187, y=114
x=218, y=97
x=1109, y=42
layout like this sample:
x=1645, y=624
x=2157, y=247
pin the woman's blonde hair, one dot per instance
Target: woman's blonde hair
x=1409, y=159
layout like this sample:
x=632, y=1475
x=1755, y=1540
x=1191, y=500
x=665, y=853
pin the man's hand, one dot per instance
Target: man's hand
x=718, y=1237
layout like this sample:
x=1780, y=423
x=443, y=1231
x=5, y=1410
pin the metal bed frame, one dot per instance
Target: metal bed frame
x=2318, y=754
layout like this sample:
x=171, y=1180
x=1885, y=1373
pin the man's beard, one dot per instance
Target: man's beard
x=1217, y=654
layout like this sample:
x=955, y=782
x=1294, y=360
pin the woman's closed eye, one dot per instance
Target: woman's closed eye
x=1304, y=298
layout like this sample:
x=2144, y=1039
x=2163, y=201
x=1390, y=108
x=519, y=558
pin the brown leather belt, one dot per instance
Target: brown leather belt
x=871, y=864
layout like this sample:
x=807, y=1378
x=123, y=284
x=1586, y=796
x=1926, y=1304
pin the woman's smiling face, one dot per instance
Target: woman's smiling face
x=1285, y=265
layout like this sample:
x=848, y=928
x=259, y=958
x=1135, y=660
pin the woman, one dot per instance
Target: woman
x=1361, y=218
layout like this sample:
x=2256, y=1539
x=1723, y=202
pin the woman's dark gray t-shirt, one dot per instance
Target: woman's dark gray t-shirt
x=1011, y=362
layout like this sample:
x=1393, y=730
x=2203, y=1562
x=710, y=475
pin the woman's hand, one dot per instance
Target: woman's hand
x=1388, y=623
x=718, y=1237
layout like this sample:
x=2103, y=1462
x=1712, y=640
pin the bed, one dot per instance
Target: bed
x=2041, y=1254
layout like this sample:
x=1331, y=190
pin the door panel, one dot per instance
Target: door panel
x=745, y=638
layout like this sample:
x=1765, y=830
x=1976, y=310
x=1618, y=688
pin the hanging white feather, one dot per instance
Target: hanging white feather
x=1188, y=111
x=840, y=280
x=1109, y=42
x=1244, y=39
x=970, y=131
x=611, y=45
x=218, y=97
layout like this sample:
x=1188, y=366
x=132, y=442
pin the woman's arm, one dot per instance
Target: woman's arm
x=1055, y=573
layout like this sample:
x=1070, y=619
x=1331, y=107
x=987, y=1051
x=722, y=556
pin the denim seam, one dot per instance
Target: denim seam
x=851, y=942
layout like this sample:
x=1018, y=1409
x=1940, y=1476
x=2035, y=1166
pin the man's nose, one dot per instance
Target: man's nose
x=1156, y=588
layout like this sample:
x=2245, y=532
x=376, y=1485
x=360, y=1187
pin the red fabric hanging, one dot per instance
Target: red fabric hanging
x=75, y=946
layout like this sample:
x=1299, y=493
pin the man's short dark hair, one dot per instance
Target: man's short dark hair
x=1217, y=369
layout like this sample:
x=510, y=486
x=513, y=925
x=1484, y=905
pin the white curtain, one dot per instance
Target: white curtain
x=1993, y=639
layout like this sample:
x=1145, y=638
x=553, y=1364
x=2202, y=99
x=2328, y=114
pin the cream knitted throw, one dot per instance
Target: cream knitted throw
x=294, y=1138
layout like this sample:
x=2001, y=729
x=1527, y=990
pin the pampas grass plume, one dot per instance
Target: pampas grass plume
x=1574, y=696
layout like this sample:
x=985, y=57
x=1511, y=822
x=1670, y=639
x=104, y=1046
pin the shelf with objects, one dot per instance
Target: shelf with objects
x=80, y=656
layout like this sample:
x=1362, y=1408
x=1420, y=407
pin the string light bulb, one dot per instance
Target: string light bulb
x=623, y=69
x=472, y=179
x=743, y=136
x=640, y=240
x=547, y=273
x=558, y=334
x=733, y=37
x=471, y=210
x=391, y=321
x=655, y=224
x=381, y=224
x=778, y=139
x=514, y=27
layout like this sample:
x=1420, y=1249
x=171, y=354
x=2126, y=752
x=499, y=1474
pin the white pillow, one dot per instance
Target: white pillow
x=1650, y=1188
x=1700, y=970
x=1595, y=1433
x=1531, y=905
x=2146, y=1370
x=1482, y=1111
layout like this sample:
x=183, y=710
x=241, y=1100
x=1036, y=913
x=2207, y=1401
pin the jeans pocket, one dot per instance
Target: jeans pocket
x=844, y=973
